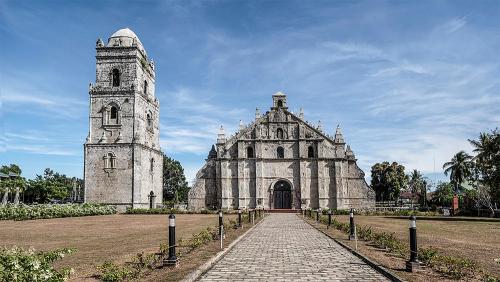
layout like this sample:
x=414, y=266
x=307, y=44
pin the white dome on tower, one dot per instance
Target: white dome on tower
x=125, y=37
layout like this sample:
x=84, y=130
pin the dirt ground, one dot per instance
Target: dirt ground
x=100, y=238
x=476, y=240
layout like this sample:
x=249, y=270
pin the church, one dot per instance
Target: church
x=123, y=162
x=280, y=161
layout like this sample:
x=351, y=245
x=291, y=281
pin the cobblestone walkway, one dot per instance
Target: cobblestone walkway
x=285, y=248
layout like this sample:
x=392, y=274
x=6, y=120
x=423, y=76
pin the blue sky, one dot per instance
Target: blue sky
x=408, y=81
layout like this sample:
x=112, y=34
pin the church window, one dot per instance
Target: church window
x=279, y=133
x=116, y=77
x=152, y=164
x=280, y=152
x=149, y=119
x=145, y=87
x=250, y=152
x=113, y=115
x=109, y=160
x=280, y=103
x=310, y=152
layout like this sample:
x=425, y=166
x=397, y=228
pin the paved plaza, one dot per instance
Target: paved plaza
x=285, y=248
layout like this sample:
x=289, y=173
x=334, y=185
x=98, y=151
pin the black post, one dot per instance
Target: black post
x=220, y=223
x=239, y=218
x=317, y=215
x=172, y=258
x=329, y=219
x=351, y=224
x=413, y=263
x=152, y=197
x=249, y=216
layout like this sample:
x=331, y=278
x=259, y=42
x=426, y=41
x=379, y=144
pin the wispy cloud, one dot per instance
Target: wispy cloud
x=454, y=25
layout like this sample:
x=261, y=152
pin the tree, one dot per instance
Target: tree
x=443, y=194
x=415, y=183
x=459, y=169
x=388, y=180
x=487, y=162
x=11, y=185
x=175, y=186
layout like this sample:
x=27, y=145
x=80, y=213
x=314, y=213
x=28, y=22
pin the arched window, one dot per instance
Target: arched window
x=310, y=152
x=250, y=152
x=152, y=164
x=149, y=119
x=116, y=77
x=113, y=115
x=279, y=133
x=280, y=103
x=109, y=160
x=280, y=153
x=145, y=87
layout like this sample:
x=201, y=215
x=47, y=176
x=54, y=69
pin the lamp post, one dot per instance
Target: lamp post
x=329, y=219
x=239, y=218
x=220, y=223
x=351, y=225
x=413, y=263
x=151, y=197
x=172, y=258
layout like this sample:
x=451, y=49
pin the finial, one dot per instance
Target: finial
x=99, y=43
x=301, y=113
x=242, y=126
x=338, y=135
x=257, y=113
x=221, y=137
x=320, y=126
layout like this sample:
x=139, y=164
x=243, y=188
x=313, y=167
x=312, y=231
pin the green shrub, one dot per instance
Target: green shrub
x=111, y=272
x=26, y=212
x=18, y=264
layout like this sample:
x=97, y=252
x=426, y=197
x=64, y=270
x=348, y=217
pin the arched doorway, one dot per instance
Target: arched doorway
x=282, y=195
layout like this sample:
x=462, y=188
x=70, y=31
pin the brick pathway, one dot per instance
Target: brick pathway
x=285, y=248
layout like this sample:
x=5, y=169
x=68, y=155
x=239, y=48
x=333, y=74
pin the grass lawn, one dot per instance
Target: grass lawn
x=100, y=238
x=479, y=241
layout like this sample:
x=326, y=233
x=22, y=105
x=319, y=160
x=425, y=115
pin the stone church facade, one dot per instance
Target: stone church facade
x=280, y=161
x=122, y=158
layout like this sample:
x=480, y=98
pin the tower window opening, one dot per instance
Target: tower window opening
x=310, y=152
x=280, y=103
x=250, y=152
x=280, y=152
x=145, y=87
x=116, y=77
x=152, y=164
x=279, y=133
x=113, y=115
x=149, y=119
x=109, y=160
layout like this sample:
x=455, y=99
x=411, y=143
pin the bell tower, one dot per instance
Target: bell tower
x=122, y=156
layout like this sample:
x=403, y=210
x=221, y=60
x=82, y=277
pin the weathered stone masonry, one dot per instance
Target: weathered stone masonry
x=280, y=161
x=123, y=161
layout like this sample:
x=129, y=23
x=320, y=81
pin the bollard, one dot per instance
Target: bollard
x=220, y=223
x=317, y=215
x=172, y=258
x=239, y=218
x=222, y=237
x=253, y=218
x=249, y=215
x=413, y=263
x=303, y=213
x=351, y=224
x=329, y=219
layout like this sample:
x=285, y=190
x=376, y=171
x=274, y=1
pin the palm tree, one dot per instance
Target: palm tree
x=459, y=168
x=482, y=146
x=415, y=183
